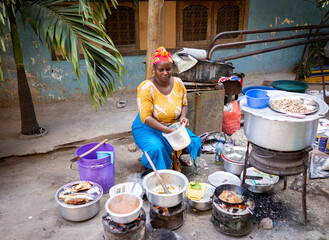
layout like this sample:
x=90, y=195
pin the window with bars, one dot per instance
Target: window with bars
x=228, y=19
x=195, y=19
x=122, y=27
x=199, y=21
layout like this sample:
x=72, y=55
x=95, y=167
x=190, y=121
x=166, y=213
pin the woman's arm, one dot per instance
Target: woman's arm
x=183, y=115
x=155, y=124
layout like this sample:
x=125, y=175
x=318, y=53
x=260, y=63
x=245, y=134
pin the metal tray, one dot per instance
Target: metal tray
x=309, y=103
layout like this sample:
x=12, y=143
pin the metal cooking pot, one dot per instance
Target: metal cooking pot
x=276, y=131
x=170, y=178
x=77, y=213
x=204, y=203
x=231, y=164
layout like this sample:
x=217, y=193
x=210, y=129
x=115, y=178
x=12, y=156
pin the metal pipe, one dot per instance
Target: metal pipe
x=271, y=49
x=242, y=32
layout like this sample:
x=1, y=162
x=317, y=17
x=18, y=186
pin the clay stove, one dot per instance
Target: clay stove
x=233, y=220
x=135, y=230
x=170, y=218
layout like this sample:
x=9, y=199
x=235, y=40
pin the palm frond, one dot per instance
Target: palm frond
x=68, y=26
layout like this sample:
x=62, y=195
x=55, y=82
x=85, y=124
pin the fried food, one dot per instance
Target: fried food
x=81, y=186
x=76, y=201
x=230, y=197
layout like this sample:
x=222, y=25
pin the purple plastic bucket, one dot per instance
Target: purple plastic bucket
x=101, y=170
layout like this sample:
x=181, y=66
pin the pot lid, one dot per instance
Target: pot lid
x=268, y=113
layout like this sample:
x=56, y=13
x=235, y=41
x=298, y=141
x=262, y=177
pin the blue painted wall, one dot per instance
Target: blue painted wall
x=51, y=81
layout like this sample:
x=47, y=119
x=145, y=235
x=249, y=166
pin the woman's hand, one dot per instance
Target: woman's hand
x=184, y=120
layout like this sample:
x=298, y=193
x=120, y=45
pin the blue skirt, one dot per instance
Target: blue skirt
x=156, y=145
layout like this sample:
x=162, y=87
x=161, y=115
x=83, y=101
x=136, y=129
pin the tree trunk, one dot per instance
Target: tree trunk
x=154, y=32
x=29, y=123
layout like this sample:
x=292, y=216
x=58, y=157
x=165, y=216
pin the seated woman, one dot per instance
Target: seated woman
x=162, y=101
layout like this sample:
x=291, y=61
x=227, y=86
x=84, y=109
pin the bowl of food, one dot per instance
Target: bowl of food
x=259, y=182
x=79, y=201
x=200, y=198
x=175, y=182
x=124, y=207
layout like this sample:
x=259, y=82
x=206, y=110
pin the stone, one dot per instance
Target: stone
x=132, y=147
x=266, y=223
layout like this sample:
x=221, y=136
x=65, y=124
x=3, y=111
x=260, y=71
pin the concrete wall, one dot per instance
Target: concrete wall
x=51, y=81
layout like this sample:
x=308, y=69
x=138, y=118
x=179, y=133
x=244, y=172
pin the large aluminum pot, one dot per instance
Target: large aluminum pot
x=77, y=213
x=275, y=131
x=279, y=135
x=170, y=178
x=124, y=199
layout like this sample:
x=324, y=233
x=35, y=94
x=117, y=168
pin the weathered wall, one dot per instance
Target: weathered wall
x=51, y=81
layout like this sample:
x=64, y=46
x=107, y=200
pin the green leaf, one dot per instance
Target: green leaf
x=195, y=185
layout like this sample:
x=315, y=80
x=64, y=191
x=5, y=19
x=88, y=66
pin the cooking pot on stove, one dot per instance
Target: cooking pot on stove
x=276, y=131
x=177, y=183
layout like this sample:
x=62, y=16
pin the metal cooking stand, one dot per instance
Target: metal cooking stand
x=304, y=171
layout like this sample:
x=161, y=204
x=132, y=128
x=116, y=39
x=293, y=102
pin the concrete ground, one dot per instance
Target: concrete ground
x=31, y=171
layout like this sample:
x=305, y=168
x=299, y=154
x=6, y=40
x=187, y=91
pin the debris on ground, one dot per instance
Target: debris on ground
x=132, y=147
x=266, y=223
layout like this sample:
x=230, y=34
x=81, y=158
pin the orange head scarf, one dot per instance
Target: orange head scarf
x=161, y=55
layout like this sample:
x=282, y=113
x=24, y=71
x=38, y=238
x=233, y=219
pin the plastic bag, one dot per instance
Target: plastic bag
x=231, y=118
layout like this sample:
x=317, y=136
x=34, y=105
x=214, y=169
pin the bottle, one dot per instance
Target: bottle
x=219, y=150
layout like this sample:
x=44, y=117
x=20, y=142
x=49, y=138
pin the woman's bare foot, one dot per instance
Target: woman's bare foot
x=185, y=161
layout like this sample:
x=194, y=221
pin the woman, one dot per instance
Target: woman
x=162, y=101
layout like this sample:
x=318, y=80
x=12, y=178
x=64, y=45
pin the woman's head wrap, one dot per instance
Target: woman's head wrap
x=161, y=55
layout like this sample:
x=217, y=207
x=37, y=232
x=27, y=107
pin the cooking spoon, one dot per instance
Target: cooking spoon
x=157, y=174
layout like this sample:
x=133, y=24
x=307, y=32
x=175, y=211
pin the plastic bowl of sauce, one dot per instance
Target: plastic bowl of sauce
x=124, y=207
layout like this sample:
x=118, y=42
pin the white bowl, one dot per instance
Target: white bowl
x=121, y=198
x=126, y=187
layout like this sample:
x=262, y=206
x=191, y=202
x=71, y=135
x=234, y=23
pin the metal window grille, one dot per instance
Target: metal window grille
x=228, y=18
x=195, y=18
x=120, y=25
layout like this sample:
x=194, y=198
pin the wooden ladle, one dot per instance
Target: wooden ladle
x=157, y=174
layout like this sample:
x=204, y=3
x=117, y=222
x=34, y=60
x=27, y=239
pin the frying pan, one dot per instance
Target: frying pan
x=233, y=188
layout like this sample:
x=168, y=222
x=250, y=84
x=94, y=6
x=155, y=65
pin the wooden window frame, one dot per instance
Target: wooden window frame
x=131, y=49
x=213, y=7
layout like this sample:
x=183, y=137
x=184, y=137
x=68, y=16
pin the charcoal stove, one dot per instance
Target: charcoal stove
x=116, y=231
x=233, y=220
x=170, y=218
x=281, y=163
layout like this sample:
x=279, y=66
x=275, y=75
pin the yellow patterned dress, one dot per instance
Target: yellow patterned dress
x=167, y=110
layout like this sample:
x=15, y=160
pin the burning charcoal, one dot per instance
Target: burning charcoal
x=160, y=211
x=266, y=223
x=235, y=210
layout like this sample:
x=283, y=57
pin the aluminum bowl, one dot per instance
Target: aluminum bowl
x=204, y=203
x=170, y=178
x=126, y=217
x=78, y=213
x=259, y=186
